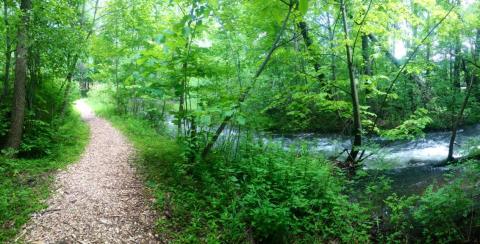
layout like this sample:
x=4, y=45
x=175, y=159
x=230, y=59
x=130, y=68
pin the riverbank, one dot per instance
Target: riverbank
x=272, y=194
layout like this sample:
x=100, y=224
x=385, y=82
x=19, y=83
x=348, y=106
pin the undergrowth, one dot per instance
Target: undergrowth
x=268, y=195
x=25, y=182
x=272, y=195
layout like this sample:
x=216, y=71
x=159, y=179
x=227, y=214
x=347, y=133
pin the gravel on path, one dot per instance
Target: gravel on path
x=99, y=199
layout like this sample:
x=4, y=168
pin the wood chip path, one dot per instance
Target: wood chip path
x=99, y=199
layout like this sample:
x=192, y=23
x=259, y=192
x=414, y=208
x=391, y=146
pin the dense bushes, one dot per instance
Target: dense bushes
x=43, y=118
x=445, y=214
x=274, y=196
x=269, y=195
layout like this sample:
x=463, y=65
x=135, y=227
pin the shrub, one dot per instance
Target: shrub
x=441, y=215
x=267, y=195
x=24, y=183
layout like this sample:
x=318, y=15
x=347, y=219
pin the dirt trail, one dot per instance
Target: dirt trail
x=99, y=199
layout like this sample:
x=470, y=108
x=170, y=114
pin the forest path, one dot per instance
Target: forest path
x=99, y=199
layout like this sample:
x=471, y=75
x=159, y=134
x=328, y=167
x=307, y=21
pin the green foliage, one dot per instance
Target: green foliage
x=267, y=195
x=443, y=215
x=472, y=148
x=38, y=139
x=401, y=221
x=411, y=128
x=303, y=6
x=24, y=183
x=197, y=63
x=4, y=122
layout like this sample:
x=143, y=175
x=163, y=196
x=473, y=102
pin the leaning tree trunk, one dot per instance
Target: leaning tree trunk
x=244, y=94
x=470, y=81
x=397, y=63
x=357, y=125
x=18, y=110
x=473, y=78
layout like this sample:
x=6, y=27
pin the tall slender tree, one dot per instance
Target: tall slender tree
x=357, y=124
x=18, y=110
x=8, y=53
x=470, y=81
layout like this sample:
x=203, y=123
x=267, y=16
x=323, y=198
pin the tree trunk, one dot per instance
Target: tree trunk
x=8, y=53
x=456, y=65
x=357, y=125
x=183, y=91
x=367, y=63
x=244, y=94
x=331, y=40
x=473, y=78
x=476, y=57
x=470, y=81
x=32, y=81
x=63, y=108
x=117, y=95
x=35, y=76
x=163, y=108
x=71, y=69
x=367, y=66
x=308, y=42
x=181, y=102
x=476, y=54
x=18, y=110
x=428, y=53
x=193, y=140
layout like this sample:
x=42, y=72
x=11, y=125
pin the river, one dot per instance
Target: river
x=411, y=164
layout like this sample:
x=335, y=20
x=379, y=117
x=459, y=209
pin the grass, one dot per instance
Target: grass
x=25, y=184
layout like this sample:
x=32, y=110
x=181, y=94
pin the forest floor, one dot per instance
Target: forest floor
x=99, y=199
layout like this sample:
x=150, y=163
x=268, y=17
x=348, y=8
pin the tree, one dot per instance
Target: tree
x=8, y=52
x=357, y=123
x=73, y=57
x=19, y=95
x=208, y=147
x=470, y=81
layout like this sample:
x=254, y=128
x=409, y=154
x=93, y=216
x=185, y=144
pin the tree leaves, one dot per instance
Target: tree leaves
x=410, y=128
x=303, y=6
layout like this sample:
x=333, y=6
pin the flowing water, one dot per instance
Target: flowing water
x=430, y=150
x=411, y=164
